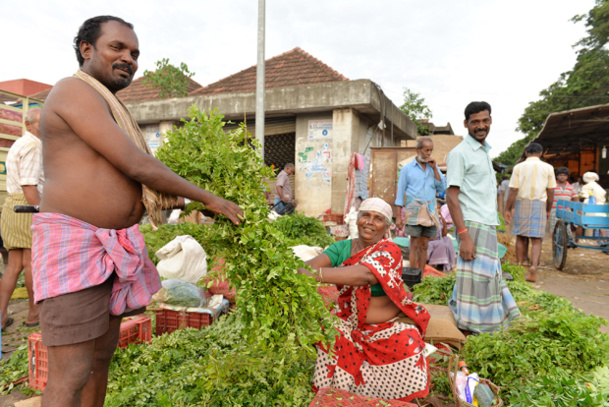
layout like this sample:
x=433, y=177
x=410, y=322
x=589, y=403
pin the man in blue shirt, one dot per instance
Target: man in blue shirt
x=419, y=180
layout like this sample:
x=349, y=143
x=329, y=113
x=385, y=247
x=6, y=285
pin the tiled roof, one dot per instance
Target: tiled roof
x=292, y=68
x=138, y=92
x=42, y=95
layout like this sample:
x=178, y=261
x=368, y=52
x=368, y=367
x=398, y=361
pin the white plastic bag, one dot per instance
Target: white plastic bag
x=182, y=258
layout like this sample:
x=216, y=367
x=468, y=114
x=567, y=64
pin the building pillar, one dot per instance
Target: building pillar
x=345, y=124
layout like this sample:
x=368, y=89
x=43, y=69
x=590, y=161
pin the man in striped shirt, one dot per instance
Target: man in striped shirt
x=565, y=191
x=23, y=181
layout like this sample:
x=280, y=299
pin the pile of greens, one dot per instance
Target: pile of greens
x=211, y=367
x=280, y=315
x=551, y=356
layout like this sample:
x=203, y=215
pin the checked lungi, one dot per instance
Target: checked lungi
x=481, y=300
x=15, y=227
x=530, y=218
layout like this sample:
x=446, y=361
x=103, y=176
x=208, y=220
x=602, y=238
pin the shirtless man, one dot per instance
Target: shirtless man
x=94, y=192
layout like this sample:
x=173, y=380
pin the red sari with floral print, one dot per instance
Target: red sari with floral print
x=383, y=360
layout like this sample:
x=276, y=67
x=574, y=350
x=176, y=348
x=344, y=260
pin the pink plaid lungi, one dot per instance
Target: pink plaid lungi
x=69, y=255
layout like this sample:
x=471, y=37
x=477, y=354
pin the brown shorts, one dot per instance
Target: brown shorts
x=79, y=316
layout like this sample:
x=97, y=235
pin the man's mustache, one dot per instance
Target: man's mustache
x=123, y=67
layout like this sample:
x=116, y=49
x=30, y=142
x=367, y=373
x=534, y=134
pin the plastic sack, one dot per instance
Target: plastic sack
x=182, y=258
x=178, y=292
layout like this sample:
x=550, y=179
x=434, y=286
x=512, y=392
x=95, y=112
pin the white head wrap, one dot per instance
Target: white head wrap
x=378, y=205
x=590, y=176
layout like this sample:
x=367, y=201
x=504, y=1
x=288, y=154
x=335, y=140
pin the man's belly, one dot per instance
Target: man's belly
x=106, y=206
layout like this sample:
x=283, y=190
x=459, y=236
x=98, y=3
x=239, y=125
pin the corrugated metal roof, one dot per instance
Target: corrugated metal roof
x=574, y=130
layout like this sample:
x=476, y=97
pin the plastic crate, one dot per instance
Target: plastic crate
x=38, y=362
x=168, y=320
x=136, y=329
x=330, y=397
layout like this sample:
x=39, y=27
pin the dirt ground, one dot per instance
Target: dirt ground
x=584, y=281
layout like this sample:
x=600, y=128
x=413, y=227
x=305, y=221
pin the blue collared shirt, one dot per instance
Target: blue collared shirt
x=419, y=183
x=470, y=168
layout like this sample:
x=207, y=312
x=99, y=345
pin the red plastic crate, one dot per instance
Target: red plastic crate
x=168, y=320
x=38, y=362
x=330, y=397
x=136, y=329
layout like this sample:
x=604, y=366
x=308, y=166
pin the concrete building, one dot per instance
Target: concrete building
x=315, y=118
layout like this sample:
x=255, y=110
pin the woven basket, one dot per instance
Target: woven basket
x=453, y=366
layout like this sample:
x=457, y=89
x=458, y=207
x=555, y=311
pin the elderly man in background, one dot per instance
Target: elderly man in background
x=23, y=183
x=529, y=204
x=419, y=181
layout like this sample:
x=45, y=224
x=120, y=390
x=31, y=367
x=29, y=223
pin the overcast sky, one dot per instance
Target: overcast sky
x=449, y=51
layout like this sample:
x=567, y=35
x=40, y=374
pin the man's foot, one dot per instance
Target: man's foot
x=532, y=276
x=31, y=324
x=9, y=322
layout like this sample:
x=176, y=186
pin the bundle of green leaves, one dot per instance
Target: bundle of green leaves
x=13, y=368
x=301, y=229
x=544, y=358
x=280, y=313
x=212, y=367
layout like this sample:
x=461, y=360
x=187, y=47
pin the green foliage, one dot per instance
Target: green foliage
x=211, y=367
x=550, y=342
x=434, y=290
x=13, y=368
x=586, y=84
x=415, y=107
x=301, y=229
x=513, y=153
x=501, y=226
x=518, y=272
x=171, y=81
x=280, y=313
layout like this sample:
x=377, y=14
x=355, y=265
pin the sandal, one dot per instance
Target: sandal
x=9, y=322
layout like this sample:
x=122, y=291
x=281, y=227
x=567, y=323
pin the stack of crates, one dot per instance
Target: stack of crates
x=133, y=330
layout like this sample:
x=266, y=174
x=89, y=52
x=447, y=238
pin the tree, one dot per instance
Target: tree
x=587, y=84
x=414, y=106
x=170, y=80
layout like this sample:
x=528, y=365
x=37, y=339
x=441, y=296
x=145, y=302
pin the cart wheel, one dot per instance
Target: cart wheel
x=560, y=241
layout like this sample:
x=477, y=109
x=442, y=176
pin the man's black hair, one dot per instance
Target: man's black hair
x=90, y=31
x=533, y=148
x=503, y=178
x=476, y=107
x=563, y=170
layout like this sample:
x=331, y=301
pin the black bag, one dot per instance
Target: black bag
x=284, y=208
x=411, y=276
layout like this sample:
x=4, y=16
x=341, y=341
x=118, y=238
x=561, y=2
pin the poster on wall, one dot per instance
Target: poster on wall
x=320, y=129
x=316, y=162
x=153, y=137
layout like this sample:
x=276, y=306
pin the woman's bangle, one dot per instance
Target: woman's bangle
x=321, y=276
x=461, y=231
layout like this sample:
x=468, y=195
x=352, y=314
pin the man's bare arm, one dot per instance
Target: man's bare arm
x=550, y=200
x=511, y=203
x=103, y=135
x=467, y=248
x=31, y=194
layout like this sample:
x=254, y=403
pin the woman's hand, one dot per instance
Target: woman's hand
x=302, y=270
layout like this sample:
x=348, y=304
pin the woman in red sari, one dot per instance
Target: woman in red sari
x=375, y=354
